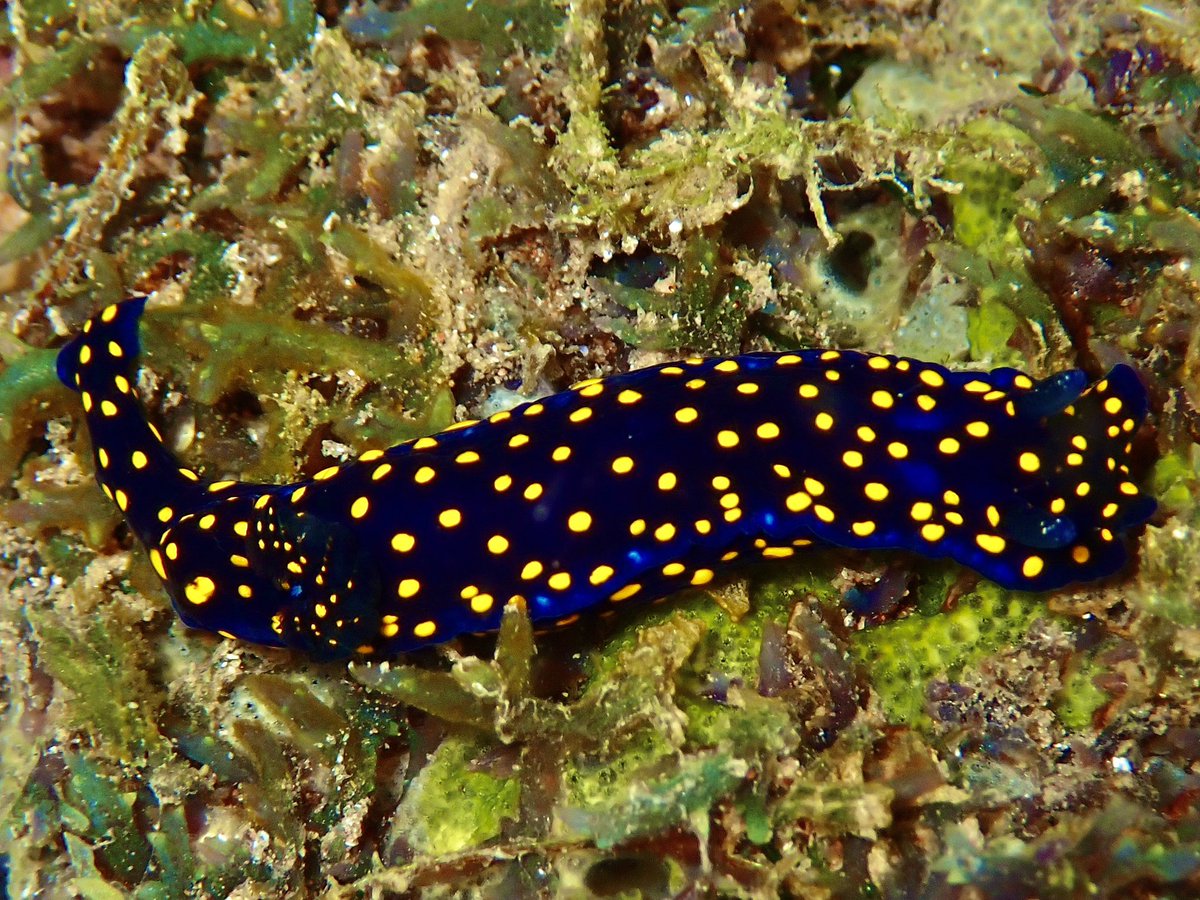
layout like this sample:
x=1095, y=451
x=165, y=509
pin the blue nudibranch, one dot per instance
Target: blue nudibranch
x=626, y=488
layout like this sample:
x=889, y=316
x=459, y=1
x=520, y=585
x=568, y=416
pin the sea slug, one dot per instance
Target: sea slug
x=626, y=488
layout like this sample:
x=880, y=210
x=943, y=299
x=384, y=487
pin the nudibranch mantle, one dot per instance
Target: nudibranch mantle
x=623, y=488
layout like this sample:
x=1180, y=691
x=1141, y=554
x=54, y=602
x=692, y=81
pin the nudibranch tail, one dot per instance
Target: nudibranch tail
x=627, y=488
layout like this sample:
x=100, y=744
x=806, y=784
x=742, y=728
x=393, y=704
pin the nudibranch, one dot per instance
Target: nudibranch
x=626, y=488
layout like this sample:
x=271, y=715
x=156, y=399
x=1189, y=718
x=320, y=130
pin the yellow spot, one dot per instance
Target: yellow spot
x=670, y=370
x=1081, y=554
x=424, y=475
x=1083, y=489
x=788, y=359
x=497, y=544
x=579, y=521
x=978, y=429
x=218, y=486
x=1112, y=406
x=1057, y=505
x=85, y=355
x=993, y=516
x=637, y=526
x=425, y=629
x=408, y=587
x=122, y=499
x=1106, y=534
x=449, y=518
x=591, y=388
x=879, y=363
x=954, y=518
x=694, y=384
x=932, y=378
x=866, y=433
x=1129, y=488
x=1032, y=567
x=932, y=531
x=154, y=431
x=359, y=508
x=561, y=454
x=703, y=526
x=992, y=543
x=824, y=513
x=727, y=365
x=207, y=522
x=823, y=421
x=674, y=568
x=1029, y=461
x=102, y=455
x=977, y=387
x=200, y=590
x=165, y=514
x=114, y=350
x=628, y=396
x=381, y=471
x=921, y=511
x=238, y=560
x=534, y=409
x=830, y=356
x=370, y=456
x=767, y=431
x=951, y=498
x=122, y=383
x=833, y=375
x=294, y=568
x=862, y=529
x=727, y=439
x=468, y=592
x=518, y=440
x=809, y=391
x=814, y=487
x=298, y=494
x=245, y=591
x=1113, y=430
x=926, y=402
x=601, y=574
x=326, y=473
x=883, y=399
x=580, y=415
x=622, y=465
x=533, y=491
x=747, y=388
x=157, y=561
x=897, y=450
x=108, y=408
x=664, y=532
x=729, y=501
x=467, y=456
x=502, y=416
x=686, y=415
x=390, y=627
x=531, y=570
x=781, y=470
x=1023, y=382
x=503, y=483
x=559, y=581
x=852, y=458
x=798, y=502
x=732, y=515
x=172, y=551
x=667, y=481
x=109, y=313
x=482, y=603
x=626, y=592
x=949, y=445
x=425, y=443
x=993, y=395
x=1127, y=425
x=1110, y=510
x=875, y=490
x=87, y=402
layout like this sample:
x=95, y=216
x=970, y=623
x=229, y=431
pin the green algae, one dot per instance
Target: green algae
x=278, y=183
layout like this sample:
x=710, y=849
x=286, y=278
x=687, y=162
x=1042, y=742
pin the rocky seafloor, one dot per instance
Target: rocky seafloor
x=362, y=221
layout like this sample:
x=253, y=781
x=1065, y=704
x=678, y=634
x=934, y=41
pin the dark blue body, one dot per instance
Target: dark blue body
x=629, y=488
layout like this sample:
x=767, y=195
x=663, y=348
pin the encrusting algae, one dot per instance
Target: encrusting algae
x=362, y=222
